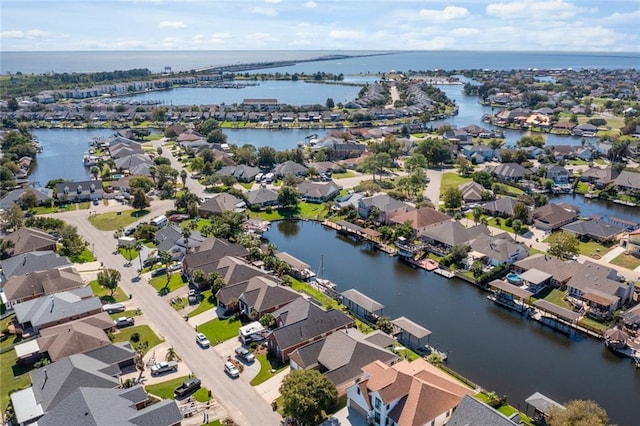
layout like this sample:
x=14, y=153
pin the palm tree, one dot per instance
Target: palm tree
x=172, y=355
x=477, y=215
x=166, y=258
x=95, y=172
x=138, y=248
x=183, y=177
x=517, y=227
x=153, y=172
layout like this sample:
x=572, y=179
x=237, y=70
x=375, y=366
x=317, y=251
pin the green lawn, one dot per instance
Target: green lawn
x=165, y=389
x=554, y=296
x=266, y=367
x=303, y=211
x=592, y=247
x=343, y=175
x=104, y=294
x=146, y=335
x=208, y=302
x=8, y=339
x=452, y=180
x=591, y=323
x=44, y=210
x=625, y=260
x=131, y=313
x=12, y=377
x=218, y=330
x=84, y=205
x=113, y=221
x=84, y=257
x=491, y=221
x=175, y=282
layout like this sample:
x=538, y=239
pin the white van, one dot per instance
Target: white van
x=160, y=221
x=259, y=177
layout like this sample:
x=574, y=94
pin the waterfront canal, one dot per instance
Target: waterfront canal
x=493, y=347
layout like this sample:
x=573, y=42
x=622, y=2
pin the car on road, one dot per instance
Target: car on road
x=245, y=355
x=124, y=322
x=164, y=367
x=202, y=340
x=231, y=370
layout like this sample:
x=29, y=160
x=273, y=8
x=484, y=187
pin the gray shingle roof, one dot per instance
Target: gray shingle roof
x=57, y=307
x=453, y=233
x=261, y=196
x=31, y=262
x=593, y=229
x=471, y=412
x=42, y=282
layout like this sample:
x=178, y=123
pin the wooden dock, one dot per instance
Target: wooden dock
x=444, y=273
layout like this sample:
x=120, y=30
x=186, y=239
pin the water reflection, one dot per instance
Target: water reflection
x=289, y=228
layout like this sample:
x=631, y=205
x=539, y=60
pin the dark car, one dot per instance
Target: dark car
x=187, y=388
x=158, y=272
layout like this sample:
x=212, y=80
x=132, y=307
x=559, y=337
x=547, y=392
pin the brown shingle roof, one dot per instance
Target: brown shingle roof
x=30, y=239
x=41, y=282
x=423, y=217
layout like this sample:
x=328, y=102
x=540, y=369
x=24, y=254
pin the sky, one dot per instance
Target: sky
x=520, y=25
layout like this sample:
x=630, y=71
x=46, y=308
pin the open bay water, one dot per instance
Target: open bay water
x=496, y=348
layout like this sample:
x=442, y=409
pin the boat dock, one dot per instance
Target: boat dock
x=358, y=233
x=444, y=273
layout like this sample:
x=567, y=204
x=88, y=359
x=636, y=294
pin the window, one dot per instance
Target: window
x=358, y=390
x=376, y=417
x=378, y=403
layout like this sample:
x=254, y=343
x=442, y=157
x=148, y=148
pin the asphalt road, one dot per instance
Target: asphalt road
x=243, y=404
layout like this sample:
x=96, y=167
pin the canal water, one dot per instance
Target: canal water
x=495, y=348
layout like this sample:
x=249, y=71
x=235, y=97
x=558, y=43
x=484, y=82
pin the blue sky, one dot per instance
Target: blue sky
x=521, y=25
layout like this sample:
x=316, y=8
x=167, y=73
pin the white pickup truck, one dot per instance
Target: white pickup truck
x=163, y=367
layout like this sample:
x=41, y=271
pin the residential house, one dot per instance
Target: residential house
x=44, y=196
x=302, y=322
x=341, y=355
x=263, y=295
x=318, y=192
x=473, y=412
x=510, y=172
x=242, y=172
x=57, y=308
x=135, y=164
x=206, y=256
x=553, y=216
x=585, y=129
x=261, y=198
x=558, y=174
x=478, y=154
x=421, y=219
x=502, y=207
x=603, y=148
x=290, y=168
x=471, y=192
x=558, y=270
x=600, y=177
x=26, y=263
x=629, y=182
x=27, y=240
x=599, y=287
x=633, y=243
x=406, y=394
x=235, y=270
x=20, y=288
x=79, y=191
x=499, y=249
x=596, y=230
x=172, y=239
x=384, y=206
x=449, y=234
x=220, y=203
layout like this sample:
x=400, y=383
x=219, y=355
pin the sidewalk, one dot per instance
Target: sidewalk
x=206, y=316
x=613, y=253
x=270, y=389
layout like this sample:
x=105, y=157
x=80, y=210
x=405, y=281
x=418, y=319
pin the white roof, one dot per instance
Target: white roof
x=25, y=405
x=27, y=348
x=249, y=329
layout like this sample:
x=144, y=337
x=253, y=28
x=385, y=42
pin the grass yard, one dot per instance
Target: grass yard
x=165, y=389
x=8, y=339
x=625, y=260
x=302, y=211
x=43, y=210
x=343, y=175
x=219, y=330
x=452, y=180
x=145, y=332
x=131, y=313
x=175, y=282
x=116, y=220
x=266, y=367
x=592, y=247
x=554, y=296
x=12, y=377
x=84, y=257
x=105, y=294
x=593, y=324
x=208, y=302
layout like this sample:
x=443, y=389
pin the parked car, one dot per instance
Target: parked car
x=175, y=266
x=129, y=231
x=150, y=261
x=158, y=272
x=231, y=369
x=245, y=355
x=187, y=388
x=163, y=367
x=202, y=340
x=124, y=322
x=113, y=307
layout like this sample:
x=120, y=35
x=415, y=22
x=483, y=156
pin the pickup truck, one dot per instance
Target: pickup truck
x=163, y=367
x=187, y=387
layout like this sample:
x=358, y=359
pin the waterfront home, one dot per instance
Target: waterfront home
x=301, y=322
x=75, y=337
x=478, y=154
x=550, y=217
x=27, y=240
x=502, y=207
x=631, y=318
x=318, y=192
x=603, y=148
x=420, y=219
x=172, y=240
x=598, y=289
x=220, y=203
x=472, y=411
x=235, y=270
x=497, y=249
x=629, y=182
x=600, y=177
x=447, y=235
x=26, y=263
x=121, y=150
x=57, y=308
x=382, y=208
x=207, y=256
x=509, y=172
x=20, y=288
x=361, y=305
x=558, y=174
x=242, y=172
x=633, y=243
x=533, y=151
x=134, y=164
x=406, y=394
x=79, y=191
x=596, y=230
x=471, y=192
x=587, y=130
x=15, y=196
x=341, y=355
x=290, y=168
x=561, y=152
x=559, y=271
x=261, y=198
x=255, y=297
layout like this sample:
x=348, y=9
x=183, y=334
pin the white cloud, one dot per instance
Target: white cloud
x=273, y=1
x=30, y=34
x=267, y=11
x=172, y=24
x=310, y=4
x=623, y=18
x=552, y=10
x=347, y=35
x=464, y=32
x=261, y=38
x=449, y=13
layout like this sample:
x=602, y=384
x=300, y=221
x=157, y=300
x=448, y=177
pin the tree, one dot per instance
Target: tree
x=5, y=248
x=375, y=164
x=330, y=104
x=578, y=413
x=521, y=212
x=215, y=281
x=307, y=396
x=12, y=218
x=517, y=227
x=415, y=161
x=477, y=214
x=288, y=196
x=452, y=198
x=268, y=321
x=138, y=248
x=384, y=324
x=172, y=355
x=109, y=279
x=166, y=258
x=563, y=245
x=465, y=167
x=142, y=182
x=29, y=199
x=183, y=177
x=266, y=156
x=197, y=276
x=476, y=269
x=140, y=199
